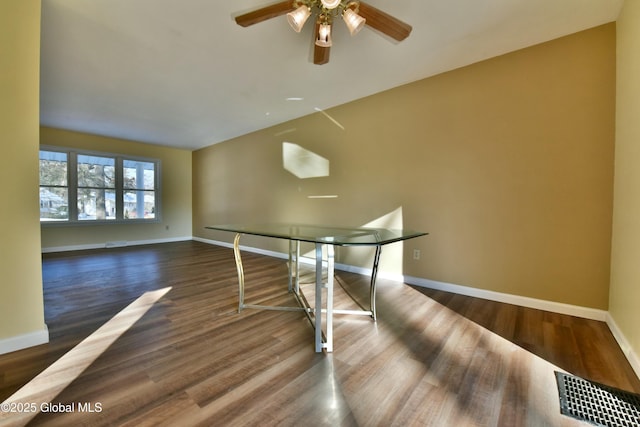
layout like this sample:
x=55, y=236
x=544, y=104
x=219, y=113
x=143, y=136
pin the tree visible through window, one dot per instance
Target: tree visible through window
x=86, y=187
x=96, y=187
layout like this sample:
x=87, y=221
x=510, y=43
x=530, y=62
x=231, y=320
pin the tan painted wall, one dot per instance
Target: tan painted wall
x=175, y=186
x=625, y=264
x=21, y=303
x=507, y=163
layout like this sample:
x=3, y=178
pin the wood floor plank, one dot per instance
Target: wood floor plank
x=432, y=358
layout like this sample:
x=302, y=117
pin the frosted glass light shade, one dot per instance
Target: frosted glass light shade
x=353, y=21
x=324, y=35
x=298, y=17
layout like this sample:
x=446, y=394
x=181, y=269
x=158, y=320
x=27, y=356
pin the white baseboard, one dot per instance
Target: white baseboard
x=555, y=307
x=631, y=356
x=551, y=306
x=113, y=244
x=23, y=341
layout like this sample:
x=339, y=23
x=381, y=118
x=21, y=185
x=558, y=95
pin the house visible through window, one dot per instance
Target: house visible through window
x=97, y=187
x=139, y=189
x=54, y=189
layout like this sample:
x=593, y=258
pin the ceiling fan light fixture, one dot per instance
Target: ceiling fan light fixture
x=354, y=13
x=324, y=35
x=298, y=17
x=330, y=4
x=353, y=21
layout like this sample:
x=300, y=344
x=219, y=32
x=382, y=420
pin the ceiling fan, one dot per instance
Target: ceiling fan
x=355, y=15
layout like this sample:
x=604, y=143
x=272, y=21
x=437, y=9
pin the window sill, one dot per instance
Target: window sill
x=86, y=223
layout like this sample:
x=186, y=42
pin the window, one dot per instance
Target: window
x=139, y=189
x=54, y=189
x=96, y=179
x=87, y=187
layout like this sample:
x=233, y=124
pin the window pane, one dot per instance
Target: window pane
x=96, y=204
x=139, y=175
x=139, y=204
x=53, y=204
x=94, y=183
x=96, y=172
x=53, y=168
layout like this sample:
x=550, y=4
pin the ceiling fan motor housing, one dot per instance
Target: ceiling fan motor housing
x=330, y=4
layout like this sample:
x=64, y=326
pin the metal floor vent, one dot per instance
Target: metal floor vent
x=597, y=404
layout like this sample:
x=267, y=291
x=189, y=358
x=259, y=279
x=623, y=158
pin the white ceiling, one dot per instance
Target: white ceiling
x=182, y=73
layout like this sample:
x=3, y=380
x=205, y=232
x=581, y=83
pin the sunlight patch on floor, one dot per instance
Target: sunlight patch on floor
x=37, y=393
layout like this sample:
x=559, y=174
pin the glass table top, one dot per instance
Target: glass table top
x=339, y=236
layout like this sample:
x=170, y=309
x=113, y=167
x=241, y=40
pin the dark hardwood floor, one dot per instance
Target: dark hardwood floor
x=178, y=353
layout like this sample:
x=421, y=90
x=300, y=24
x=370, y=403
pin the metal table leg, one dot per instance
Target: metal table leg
x=330, y=275
x=328, y=342
x=294, y=266
x=236, y=253
x=291, y=261
x=374, y=274
x=318, y=307
x=323, y=340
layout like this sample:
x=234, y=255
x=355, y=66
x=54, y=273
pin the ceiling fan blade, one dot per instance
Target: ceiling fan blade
x=265, y=13
x=384, y=22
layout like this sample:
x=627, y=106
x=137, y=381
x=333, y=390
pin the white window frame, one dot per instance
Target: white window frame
x=72, y=188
